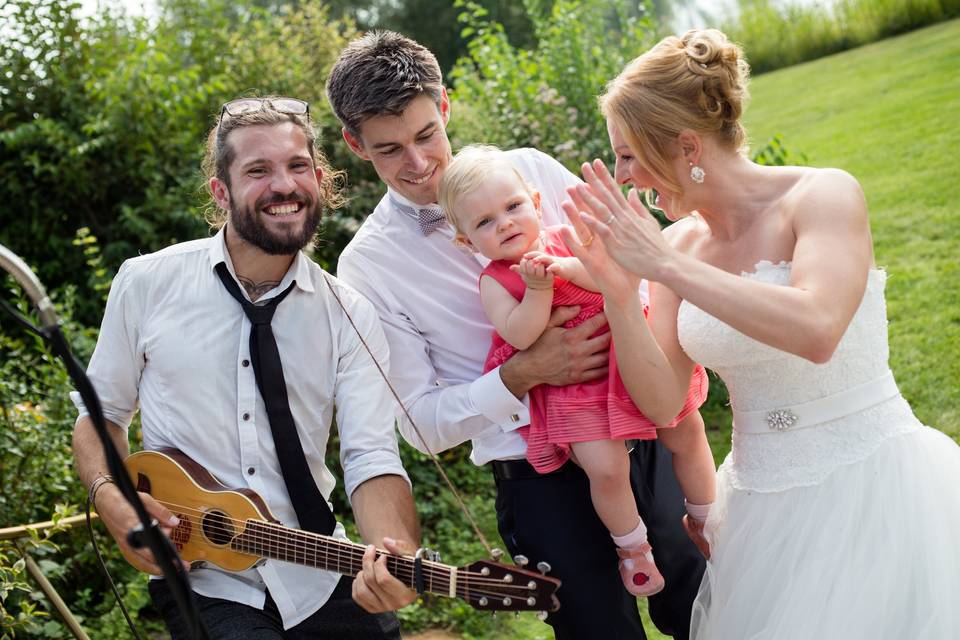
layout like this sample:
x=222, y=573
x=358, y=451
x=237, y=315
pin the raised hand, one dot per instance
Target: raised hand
x=614, y=282
x=628, y=232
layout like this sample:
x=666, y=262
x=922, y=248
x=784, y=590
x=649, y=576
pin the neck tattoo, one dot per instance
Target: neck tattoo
x=256, y=289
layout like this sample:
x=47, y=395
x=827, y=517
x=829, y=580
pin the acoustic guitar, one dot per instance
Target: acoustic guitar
x=234, y=530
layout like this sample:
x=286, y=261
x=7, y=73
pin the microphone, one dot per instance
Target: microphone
x=12, y=264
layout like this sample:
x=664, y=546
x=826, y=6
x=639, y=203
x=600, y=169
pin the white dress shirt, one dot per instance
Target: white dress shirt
x=425, y=289
x=176, y=342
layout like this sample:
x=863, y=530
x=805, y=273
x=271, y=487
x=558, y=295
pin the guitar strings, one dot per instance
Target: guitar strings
x=273, y=531
x=467, y=588
x=276, y=532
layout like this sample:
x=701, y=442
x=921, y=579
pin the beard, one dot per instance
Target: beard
x=246, y=221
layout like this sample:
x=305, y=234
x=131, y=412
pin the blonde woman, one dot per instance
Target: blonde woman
x=837, y=512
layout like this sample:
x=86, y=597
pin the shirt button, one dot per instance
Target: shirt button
x=245, y=363
x=251, y=471
x=246, y=416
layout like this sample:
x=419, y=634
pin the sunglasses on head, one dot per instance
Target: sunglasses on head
x=240, y=106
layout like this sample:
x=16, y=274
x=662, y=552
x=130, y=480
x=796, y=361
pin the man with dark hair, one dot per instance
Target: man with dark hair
x=178, y=339
x=387, y=92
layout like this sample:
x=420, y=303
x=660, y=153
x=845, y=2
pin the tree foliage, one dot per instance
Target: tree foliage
x=545, y=96
x=103, y=120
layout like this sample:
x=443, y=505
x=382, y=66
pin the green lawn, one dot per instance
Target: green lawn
x=887, y=113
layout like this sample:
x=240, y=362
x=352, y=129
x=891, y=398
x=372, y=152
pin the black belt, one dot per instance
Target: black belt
x=523, y=470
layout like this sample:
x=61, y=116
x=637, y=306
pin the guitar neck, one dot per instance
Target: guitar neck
x=278, y=542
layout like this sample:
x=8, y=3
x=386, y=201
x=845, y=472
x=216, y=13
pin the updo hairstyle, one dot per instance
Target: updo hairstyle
x=696, y=82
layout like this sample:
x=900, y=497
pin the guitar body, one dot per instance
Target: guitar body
x=211, y=515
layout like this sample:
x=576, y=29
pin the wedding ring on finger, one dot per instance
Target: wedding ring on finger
x=588, y=241
x=609, y=220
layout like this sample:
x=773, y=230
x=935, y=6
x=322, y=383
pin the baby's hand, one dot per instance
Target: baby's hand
x=534, y=275
x=559, y=266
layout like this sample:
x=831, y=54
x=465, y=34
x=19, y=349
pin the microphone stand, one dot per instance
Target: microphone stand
x=148, y=533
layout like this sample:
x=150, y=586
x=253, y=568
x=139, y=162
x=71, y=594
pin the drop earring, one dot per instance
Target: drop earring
x=697, y=173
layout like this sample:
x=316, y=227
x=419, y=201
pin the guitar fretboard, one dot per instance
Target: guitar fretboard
x=340, y=556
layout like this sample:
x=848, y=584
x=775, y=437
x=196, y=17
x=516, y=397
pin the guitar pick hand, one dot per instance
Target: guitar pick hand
x=120, y=518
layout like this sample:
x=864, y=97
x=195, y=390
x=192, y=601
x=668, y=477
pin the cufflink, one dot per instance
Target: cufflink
x=514, y=417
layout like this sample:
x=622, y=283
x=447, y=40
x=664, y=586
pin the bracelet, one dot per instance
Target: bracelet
x=97, y=485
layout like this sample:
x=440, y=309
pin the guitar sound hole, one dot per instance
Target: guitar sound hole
x=217, y=528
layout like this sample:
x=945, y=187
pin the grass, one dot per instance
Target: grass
x=886, y=112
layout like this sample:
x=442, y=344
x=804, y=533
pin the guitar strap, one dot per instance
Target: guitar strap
x=406, y=413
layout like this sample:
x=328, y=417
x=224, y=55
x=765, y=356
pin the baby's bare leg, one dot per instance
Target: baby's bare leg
x=692, y=459
x=607, y=465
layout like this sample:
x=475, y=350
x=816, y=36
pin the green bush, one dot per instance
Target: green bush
x=102, y=121
x=545, y=97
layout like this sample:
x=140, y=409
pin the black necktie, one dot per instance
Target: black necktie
x=312, y=510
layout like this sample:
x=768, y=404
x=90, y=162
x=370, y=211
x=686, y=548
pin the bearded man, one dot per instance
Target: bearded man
x=176, y=341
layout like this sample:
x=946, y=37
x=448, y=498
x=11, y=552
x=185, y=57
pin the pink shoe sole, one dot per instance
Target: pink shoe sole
x=641, y=578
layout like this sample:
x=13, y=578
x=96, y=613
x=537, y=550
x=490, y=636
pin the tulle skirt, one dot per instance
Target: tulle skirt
x=872, y=552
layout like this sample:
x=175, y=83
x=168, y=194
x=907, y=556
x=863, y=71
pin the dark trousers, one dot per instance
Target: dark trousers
x=551, y=518
x=339, y=618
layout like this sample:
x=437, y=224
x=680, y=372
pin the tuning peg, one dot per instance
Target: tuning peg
x=496, y=554
x=543, y=567
x=521, y=561
x=541, y=615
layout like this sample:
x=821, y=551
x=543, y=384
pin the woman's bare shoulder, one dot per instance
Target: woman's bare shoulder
x=686, y=232
x=828, y=188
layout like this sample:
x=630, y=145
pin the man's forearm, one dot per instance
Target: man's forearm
x=383, y=508
x=88, y=450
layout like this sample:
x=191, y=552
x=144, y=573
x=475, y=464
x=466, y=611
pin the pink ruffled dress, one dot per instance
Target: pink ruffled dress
x=596, y=410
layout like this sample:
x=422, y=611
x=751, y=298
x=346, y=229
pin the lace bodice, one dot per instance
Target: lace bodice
x=760, y=377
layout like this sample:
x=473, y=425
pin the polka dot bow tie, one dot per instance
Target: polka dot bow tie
x=429, y=218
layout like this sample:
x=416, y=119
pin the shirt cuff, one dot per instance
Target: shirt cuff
x=492, y=399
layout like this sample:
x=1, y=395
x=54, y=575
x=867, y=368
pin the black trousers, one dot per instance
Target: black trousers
x=551, y=518
x=339, y=619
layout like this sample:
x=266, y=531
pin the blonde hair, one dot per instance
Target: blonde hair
x=471, y=166
x=697, y=82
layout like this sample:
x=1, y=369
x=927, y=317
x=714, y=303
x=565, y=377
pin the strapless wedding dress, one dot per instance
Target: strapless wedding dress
x=837, y=513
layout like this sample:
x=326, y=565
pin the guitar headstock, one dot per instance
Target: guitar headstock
x=495, y=586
